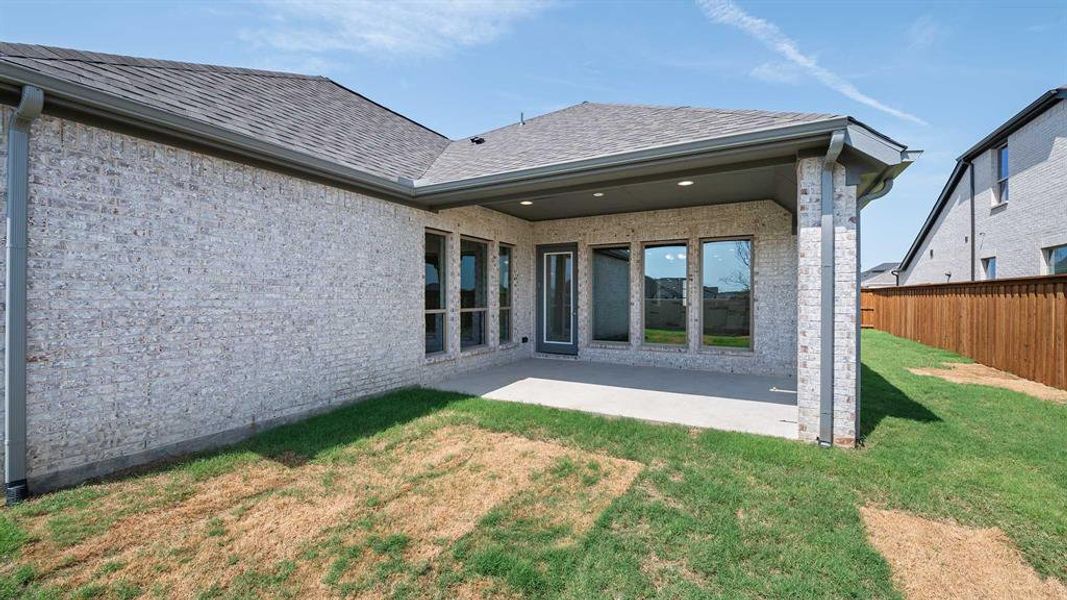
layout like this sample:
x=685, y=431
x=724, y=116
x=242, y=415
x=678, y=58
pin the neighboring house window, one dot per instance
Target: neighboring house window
x=665, y=294
x=1057, y=260
x=611, y=294
x=435, y=292
x=504, y=263
x=726, y=293
x=472, y=292
x=1002, y=174
x=989, y=267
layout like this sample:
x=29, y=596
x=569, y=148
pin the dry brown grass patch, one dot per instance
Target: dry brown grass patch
x=424, y=492
x=933, y=560
x=979, y=374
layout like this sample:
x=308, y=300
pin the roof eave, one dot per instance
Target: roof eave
x=1032, y=111
x=891, y=155
x=880, y=148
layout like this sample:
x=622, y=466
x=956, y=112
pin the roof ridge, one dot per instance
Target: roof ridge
x=734, y=111
x=713, y=109
x=82, y=56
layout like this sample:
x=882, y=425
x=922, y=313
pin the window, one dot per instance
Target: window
x=1057, y=260
x=1002, y=174
x=726, y=293
x=611, y=294
x=504, y=264
x=665, y=294
x=435, y=292
x=472, y=292
x=989, y=267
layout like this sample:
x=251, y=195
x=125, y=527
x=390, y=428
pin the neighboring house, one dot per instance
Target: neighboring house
x=214, y=250
x=883, y=275
x=1003, y=212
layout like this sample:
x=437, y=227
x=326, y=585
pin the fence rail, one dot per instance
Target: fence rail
x=1016, y=325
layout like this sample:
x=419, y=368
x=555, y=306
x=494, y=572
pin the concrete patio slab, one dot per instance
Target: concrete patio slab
x=749, y=403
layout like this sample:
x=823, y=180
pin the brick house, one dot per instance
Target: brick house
x=1003, y=211
x=198, y=251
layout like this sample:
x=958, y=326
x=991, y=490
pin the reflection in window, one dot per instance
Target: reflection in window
x=989, y=266
x=505, y=293
x=611, y=294
x=434, y=286
x=1057, y=260
x=558, y=309
x=726, y=293
x=1003, y=172
x=665, y=294
x=472, y=292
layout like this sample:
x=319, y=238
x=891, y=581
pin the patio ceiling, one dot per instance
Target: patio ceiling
x=776, y=182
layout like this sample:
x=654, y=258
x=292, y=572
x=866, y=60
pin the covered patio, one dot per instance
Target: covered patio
x=758, y=404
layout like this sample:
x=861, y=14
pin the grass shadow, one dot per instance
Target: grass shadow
x=882, y=399
x=295, y=443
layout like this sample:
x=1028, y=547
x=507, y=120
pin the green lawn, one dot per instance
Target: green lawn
x=711, y=514
x=668, y=336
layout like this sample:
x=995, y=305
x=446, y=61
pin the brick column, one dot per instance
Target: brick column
x=809, y=315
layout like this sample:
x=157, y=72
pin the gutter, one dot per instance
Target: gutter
x=18, y=146
x=63, y=94
x=827, y=298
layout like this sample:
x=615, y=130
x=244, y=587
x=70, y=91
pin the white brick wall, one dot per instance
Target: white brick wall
x=174, y=295
x=774, y=281
x=1035, y=217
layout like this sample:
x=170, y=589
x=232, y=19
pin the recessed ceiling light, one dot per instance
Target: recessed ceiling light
x=526, y=203
x=598, y=194
x=685, y=183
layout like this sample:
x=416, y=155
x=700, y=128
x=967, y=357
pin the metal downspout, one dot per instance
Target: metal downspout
x=826, y=321
x=974, y=249
x=18, y=146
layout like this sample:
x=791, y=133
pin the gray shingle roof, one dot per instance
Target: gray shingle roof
x=320, y=118
x=310, y=114
x=589, y=130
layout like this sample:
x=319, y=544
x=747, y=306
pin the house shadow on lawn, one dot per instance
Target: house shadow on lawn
x=296, y=443
x=882, y=399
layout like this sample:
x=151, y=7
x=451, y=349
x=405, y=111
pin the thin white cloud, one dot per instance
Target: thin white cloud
x=725, y=12
x=923, y=33
x=777, y=72
x=395, y=28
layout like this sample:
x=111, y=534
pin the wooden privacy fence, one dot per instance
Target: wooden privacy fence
x=1016, y=325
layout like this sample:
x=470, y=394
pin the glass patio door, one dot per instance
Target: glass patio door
x=557, y=299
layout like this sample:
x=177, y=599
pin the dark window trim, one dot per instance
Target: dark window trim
x=751, y=296
x=445, y=236
x=645, y=245
x=511, y=294
x=482, y=309
x=629, y=291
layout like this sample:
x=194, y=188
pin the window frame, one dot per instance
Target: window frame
x=986, y=263
x=501, y=308
x=443, y=310
x=683, y=242
x=1048, y=252
x=1002, y=189
x=751, y=296
x=629, y=293
x=482, y=309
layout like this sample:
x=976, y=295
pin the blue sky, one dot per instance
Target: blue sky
x=935, y=75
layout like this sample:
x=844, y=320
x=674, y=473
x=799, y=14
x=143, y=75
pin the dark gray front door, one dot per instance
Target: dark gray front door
x=557, y=298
